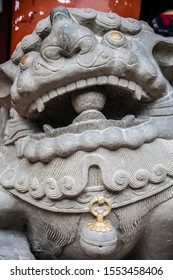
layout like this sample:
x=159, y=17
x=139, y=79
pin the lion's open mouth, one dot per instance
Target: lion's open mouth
x=86, y=87
x=114, y=97
x=103, y=111
x=87, y=114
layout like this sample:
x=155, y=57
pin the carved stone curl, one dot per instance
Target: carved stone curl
x=86, y=115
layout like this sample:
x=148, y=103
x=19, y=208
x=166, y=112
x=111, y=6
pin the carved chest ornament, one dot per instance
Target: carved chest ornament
x=63, y=186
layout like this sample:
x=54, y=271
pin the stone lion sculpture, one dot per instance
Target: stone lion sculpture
x=86, y=140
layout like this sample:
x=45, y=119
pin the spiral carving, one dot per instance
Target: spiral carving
x=67, y=186
x=21, y=185
x=109, y=21
x=30, y=40
x=120, y=181
x=141, y=179
x=7, y=179
x=51, y=189
x=35, y=190
x=130, y=25
x=159, y=174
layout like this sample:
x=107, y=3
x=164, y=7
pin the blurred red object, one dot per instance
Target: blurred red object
x=26, y=14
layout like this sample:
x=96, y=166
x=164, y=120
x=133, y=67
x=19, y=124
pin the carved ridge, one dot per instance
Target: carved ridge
x=71, y=187
x=111, y=138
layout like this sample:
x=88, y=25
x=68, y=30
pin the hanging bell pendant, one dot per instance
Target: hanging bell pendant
x=99, y=237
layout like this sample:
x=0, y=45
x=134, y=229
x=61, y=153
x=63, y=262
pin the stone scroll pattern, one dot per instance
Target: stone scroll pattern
x=68, y=187
x=102, y=22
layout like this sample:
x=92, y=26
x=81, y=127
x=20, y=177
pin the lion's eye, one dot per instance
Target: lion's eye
x=114, y=39
x=27, y=60
x=116, y=36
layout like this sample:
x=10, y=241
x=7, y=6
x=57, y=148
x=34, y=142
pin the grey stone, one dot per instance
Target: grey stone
x=14, y=246
x=86, y=151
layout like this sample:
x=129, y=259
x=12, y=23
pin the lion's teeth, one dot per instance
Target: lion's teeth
x=137, y=96
x=138, y=89
x=138, y=93
x=45, y=98
x=113, y=80
x=61, y=91
x=144, y=94
x=71, y=87
x=102, y=80
x=48, y=129
x=40, y=105
x=52, y=94
x=91, y=81
x=123, y=83
x=132, y=85
x=33, y=107
x=81, y=84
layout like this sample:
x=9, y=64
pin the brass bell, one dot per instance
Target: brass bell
x=99, y=237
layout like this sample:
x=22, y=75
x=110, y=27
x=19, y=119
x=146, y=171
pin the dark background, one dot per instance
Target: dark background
x=149, y=9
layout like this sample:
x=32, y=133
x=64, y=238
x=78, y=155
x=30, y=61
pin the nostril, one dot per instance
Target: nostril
x=86, y=45
x=51, y=53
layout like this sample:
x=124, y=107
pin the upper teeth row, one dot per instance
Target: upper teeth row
x=136, y=90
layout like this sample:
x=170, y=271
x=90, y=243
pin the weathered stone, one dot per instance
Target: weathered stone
x=86, y=130
x=14, y=246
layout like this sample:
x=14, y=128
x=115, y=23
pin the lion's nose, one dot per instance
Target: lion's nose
x=67, y=37
x=59, y=12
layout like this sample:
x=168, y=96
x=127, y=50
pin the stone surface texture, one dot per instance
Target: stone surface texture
x=86, y=120
x=14, y=246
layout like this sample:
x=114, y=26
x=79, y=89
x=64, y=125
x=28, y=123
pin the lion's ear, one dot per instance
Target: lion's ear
x=7, y=74
x=163, y=53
